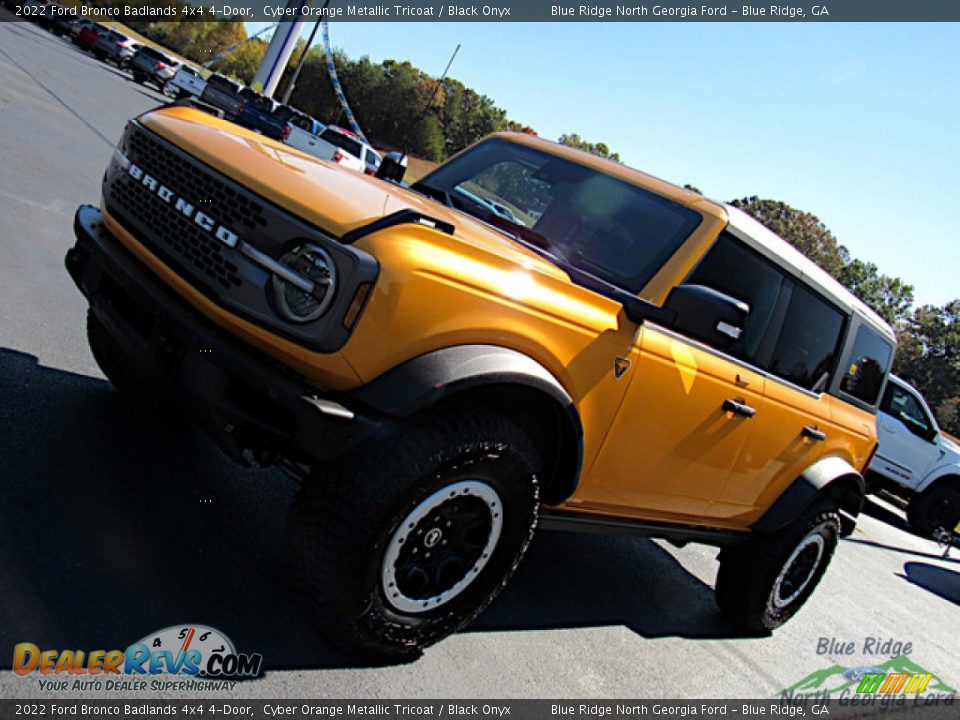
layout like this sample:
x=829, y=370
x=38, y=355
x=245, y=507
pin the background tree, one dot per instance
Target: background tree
x=801, y=229
x=929, y=358
x=601, y=149
x=889, y=297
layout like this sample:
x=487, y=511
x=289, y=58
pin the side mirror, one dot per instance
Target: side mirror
x=393, y=167
x=707, y=314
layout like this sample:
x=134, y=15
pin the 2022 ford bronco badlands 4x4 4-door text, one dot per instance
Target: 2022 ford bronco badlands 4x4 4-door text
x=621, y=354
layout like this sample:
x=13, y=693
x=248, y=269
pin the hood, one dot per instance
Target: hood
x=331, y=197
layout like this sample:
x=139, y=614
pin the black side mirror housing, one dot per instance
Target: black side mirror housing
x=707, y=314
x=393, y=167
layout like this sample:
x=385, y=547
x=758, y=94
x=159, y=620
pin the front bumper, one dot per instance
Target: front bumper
x=247, y=402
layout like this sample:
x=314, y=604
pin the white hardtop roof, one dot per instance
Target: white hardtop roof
x=757, y=236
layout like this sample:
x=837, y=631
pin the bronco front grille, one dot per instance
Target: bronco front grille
x=209, y=230
x=176, y=234
x=171, y=233
x=192, y=181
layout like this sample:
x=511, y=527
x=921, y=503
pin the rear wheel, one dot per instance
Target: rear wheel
x=410, y=539
x=938, y=508
x=139, y=77
x=764, y=582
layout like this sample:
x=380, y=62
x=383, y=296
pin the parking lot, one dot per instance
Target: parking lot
x=115, y=524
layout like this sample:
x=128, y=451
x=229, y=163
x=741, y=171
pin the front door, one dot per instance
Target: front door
x=681, y=426
x=691, y=406
x=905, y=430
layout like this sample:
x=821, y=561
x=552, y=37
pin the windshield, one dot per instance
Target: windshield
x=609, y=228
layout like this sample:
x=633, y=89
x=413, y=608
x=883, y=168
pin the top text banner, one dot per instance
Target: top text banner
x=519, y=11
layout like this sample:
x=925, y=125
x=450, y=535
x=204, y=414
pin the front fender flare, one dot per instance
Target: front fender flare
x=430, y=378
x=938, y=474
x=831, y=476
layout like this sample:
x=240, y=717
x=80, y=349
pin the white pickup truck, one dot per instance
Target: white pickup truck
x=186, y=83
x=916, y=460
x=345, y=148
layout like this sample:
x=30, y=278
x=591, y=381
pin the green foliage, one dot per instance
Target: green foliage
x=929, y=358
x=243, y=62
x=398, y=105
x=601, y=149
x=889, y=297
x=198, y=40
x=801, y=229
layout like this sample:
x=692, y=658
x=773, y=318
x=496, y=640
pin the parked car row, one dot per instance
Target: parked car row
x=262, y=114
x=242, y=105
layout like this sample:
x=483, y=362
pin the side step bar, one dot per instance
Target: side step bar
x=678, y=535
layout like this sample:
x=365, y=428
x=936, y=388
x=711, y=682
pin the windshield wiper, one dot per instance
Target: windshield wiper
x=433, y=192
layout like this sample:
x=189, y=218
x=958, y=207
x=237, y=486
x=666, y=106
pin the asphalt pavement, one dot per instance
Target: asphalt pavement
x=115, y=523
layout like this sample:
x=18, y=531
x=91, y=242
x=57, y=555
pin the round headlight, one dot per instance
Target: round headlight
x=315, y=265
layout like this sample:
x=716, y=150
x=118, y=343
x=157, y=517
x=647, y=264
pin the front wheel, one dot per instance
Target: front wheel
x=936, y=509
x=410, y=539
x=764, y=582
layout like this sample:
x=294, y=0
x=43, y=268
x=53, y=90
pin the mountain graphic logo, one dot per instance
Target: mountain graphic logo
x=837, y=679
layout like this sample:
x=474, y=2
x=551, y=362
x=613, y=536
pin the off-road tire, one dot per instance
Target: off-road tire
x=938, y=507
x=747, y=580
x=132, y=384
x=343, y=523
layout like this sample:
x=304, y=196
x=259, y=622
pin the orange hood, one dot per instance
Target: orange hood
x=326, y=195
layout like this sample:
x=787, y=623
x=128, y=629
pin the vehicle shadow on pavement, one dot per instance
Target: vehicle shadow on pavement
x=574, y=580
x=116, y=523
x=885, y=515
x=941, y=581
x=906, y=551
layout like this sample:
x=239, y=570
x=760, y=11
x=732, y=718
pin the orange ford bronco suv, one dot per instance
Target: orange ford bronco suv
x=529, y=336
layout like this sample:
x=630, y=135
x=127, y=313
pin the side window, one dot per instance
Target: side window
x=906, y=408
x=809, y=341
x=735, y=270
x=867, y=367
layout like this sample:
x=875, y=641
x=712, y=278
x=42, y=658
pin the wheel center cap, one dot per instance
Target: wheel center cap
x=432, y=537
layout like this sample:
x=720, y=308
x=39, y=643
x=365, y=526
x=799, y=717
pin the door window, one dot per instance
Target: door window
x=906, y=408
x=809, y=340
x=735, y=270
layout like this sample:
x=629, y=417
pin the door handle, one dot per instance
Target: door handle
x=738, y=408
x=811, y=431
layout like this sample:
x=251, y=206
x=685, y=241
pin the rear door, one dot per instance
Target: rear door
x=796, y=427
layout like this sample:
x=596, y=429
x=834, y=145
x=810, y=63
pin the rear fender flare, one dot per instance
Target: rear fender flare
x=831, y=476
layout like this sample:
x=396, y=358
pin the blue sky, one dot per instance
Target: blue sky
x=857, y=123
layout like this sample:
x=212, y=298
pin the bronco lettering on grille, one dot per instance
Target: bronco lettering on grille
x=183, y=206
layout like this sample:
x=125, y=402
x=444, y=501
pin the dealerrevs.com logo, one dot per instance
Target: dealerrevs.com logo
x=203, y=657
